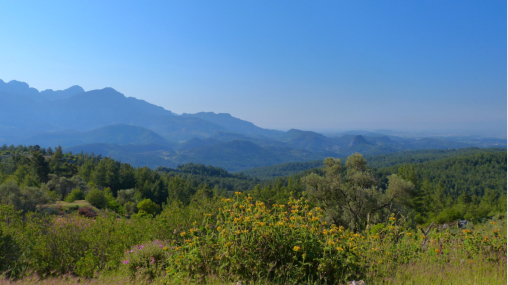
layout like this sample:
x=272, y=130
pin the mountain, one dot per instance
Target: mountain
x=23, y=113
x=150, y=155
x=359, y=140
x=107, y=122
x=233, y=124
x=23, y=89
x=234, y=155
x=115, y=134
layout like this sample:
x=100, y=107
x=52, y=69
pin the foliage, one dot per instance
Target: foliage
x=377, y=161
x=469, y=187
x=351, y=197
x=26, y=198
x=299, y=247
x=76, y=194
x=146, y=261
x=147, y=207
x=96, y=198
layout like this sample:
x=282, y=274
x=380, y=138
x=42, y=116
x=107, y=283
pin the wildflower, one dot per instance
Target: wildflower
x=437, y=250
x=183, y=233
x=219, y=228
x=152, y=260
x=296, y=248
x=137, y=267
x=408, y=234
x=165, y=248
x=125, y=262
x=340, y=248
x=492, y=223
x=392, y=219
x=238, y=193
x=141, y=247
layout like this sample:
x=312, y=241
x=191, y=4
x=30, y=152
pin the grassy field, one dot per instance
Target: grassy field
x=65, y=205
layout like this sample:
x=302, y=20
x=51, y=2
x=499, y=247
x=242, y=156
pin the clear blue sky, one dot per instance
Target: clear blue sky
x=315, y=65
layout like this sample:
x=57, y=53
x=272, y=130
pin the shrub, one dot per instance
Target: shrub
x=147, y=260
x=87, y=212
x=147, y=207
x=76, y=194
x=292, y=244
x=248, y=241
x=96, y=198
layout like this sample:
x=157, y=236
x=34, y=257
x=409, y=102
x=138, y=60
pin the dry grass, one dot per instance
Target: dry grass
x=464, y=272
x=63, y=204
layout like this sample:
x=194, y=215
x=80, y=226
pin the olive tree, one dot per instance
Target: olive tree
x=350, y=195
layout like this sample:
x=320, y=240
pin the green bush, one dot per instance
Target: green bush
x=96, y=198
x=147, y=208
x=76, y=194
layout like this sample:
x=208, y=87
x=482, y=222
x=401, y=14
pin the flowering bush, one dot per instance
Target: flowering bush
x=249, y=241
x=146, y=260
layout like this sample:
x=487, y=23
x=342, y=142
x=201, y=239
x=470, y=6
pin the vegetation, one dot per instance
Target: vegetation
x=322, y=226
x=377, y=161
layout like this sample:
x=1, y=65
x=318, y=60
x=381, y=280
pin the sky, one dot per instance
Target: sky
x=312, y=65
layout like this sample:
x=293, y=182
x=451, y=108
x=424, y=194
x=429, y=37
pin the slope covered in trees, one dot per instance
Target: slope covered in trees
x=377, y=161
x=468, y=184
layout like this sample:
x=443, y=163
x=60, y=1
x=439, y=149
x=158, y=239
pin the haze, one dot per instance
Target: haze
x=322, y=66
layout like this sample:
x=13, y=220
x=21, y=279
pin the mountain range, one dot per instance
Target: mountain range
x=108, y=123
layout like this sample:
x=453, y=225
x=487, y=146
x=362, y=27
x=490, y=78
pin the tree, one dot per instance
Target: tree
x=40, y=165
x=76, y=194
x=147, y=207
x=350, y=195
x=26, y=198
x=96, y=198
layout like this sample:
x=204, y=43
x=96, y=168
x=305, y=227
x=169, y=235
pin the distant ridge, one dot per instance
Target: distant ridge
x=106, y=121
x=357, y=140
x=23, y=89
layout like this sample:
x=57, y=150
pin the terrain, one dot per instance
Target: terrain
x=108, y=123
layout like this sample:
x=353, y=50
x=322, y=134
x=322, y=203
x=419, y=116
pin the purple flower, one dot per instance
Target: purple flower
x=140, y=247
x=137, y=267
x=125, y=262
x=152, y=260
x=160, y=246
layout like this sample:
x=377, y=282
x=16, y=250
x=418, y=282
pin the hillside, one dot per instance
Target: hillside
x=379, y=161
x=104, y=121
x=115, y=134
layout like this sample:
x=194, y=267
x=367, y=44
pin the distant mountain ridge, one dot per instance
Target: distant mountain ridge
x=107, y=122
x=23, y=89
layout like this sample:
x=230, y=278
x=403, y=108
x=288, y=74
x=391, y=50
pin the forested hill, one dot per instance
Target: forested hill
x=378, y=161
x=465, y=184
x=469, y=174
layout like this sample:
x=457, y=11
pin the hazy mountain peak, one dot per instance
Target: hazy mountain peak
x=15, y=87
x=358, y=139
